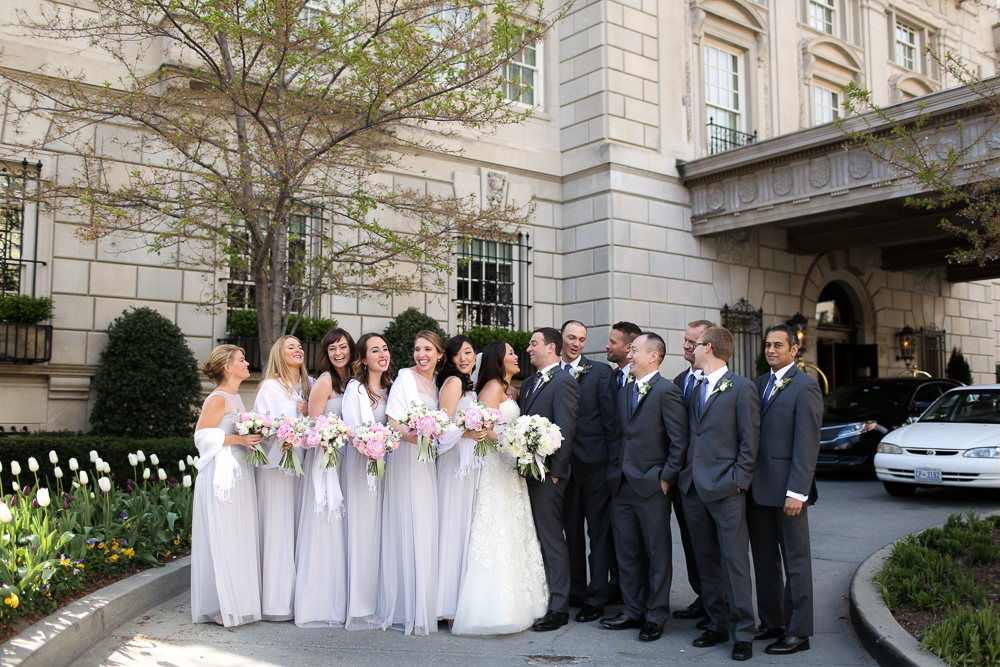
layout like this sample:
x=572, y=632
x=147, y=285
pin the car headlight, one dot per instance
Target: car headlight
x=983, y=453
x=887, y=448
x=861, y=427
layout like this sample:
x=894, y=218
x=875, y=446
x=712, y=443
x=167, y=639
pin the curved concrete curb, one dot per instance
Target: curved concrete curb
x=61, y=638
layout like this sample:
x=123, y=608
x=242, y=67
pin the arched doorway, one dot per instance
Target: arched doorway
x=839, y=318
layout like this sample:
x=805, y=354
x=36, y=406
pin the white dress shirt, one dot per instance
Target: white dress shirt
x=572, y=365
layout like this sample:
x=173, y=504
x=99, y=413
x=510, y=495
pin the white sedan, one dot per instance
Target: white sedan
x=956, y=442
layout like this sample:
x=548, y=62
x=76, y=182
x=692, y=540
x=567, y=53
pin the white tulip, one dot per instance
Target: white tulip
x=32, y=464
x=76, y=485
x=53, y=457
x=15, y=468
x=180, y=466
x=133, y=460
x=154, y=460
x=105, y=484
x=162, y=474
x=83, y=477
x=5, y=514
x=73, y=465
x=139, y=455
x=145, y=473
x=107, y=467
x=99, y=464
x=57, y=471
x=196, y=459
x=94, y=456
x=92, y=496
x=43, y=497
x=186, y=481
x=190, y=461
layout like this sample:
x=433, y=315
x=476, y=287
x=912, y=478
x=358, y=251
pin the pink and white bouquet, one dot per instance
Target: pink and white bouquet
x=479, y=417
x=529, y=440
x=332, y=433
x=252, y=423
x=426, y=424
x=293, y=431
x=374, y=441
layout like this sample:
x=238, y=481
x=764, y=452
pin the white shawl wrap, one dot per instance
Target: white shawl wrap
x=211, y=446
x=357, y=409
x=467, y=459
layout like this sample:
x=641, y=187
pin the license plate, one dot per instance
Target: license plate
x=927, y=475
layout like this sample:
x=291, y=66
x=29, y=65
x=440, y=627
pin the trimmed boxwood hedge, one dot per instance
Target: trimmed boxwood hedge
x=69, y=445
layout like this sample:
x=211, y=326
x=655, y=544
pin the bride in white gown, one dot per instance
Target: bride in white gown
x=503, y=589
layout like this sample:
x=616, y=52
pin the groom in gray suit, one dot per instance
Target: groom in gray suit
x=716, y=469
x=783, y=486
x=554, y=394
x=652, y=416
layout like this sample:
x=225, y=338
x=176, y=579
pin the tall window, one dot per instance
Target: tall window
x=492, y=281
x=11, y=226
x=722, y=87
x=826, y=106
x=524, y=76
x=821, y=15
x=906, y=45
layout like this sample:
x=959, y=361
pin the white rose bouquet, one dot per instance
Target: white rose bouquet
x=529, y=440
x=426, y=424
x=252, y=423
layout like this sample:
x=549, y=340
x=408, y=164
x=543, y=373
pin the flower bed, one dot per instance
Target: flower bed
x=941, y=586
x=65, y=539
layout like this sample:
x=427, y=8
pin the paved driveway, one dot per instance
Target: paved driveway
x=854, y=518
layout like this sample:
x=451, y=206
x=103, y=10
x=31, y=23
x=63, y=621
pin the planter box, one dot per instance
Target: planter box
x=25, y=343
x=313, y=352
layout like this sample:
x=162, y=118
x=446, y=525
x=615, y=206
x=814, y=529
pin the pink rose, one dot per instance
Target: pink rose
x=285, y=431
x=376, y=448
x=266, y=421
x=473, y=419
x=322, y=422
x=313, y=439
x=246, y=416
x=426, y=425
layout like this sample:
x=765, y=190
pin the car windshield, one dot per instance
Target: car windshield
x=971, y=407
x=874, y=395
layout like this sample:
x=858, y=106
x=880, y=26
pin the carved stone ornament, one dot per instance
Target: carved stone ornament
x=782, y=182
x=739, y=247
x=946, y=145
x=819, y=173
x=859, y=166
x=496, y=186
x=748, y=190
x=716, y=198
x=926, y=281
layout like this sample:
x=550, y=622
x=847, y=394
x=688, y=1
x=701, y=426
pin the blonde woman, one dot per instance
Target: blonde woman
x=283, y=392
x=225, y=554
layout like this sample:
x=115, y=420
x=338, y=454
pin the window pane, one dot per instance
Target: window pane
x=522, y=71
x=825, y=105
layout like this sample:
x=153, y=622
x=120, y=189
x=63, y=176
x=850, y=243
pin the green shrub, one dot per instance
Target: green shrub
x=958, y=367
x=243, y=324
x=966, y=637
x=403, y=330
x=147, y=383
x=25, y=309
x=483, y=336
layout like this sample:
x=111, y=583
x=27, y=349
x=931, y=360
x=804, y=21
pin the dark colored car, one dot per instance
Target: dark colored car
x=856, y=415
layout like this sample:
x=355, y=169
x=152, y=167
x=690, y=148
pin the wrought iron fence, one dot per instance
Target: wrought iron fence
x=747, y=326
x=492, y=283
x=25, y=343
x=722, y=138
x=932, y=349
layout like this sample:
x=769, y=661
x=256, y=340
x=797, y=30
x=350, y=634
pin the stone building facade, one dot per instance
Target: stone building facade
x=661, y=134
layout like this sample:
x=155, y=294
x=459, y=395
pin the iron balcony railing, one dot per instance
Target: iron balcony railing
x=722, y=138
x=25, y=343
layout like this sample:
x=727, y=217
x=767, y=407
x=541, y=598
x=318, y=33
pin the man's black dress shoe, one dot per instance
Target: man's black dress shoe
x=589, y=613
x=768, y=633
x=575, y=601
x=788, y=645
x=650, y=632
x=742, y=651
x=620, y=622
x=704, y=623
x=710, y=638
x=553, y=620
x=693, y=610
x=615, y=596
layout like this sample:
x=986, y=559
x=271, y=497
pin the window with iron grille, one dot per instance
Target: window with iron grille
x=11, y=232
x=746, y=323
x=492, y=282
x=821, y=15
x=932, y=350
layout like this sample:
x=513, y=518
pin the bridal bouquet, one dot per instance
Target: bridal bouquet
x=426, y=424
x=479, y=417
x=332, y=433
x=293, y=431
x=374, y=441
x=251, y=423
x=529, y=440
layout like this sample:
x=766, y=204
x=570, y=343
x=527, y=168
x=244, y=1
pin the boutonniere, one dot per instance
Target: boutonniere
x=781, y=384
x=546, y=377
x=581, y=370
x=643, y=389
x=722, y=386
x=631, y=379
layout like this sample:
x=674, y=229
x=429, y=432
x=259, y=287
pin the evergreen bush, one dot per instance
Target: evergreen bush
x=243, y=324
x=483, y=336
x=402, y=331
x=958, y=368
x=25, y=309
x=147, y=384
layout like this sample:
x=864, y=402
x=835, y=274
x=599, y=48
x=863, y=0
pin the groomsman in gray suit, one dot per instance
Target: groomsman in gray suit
x=554, y=394
x=716, y=469
x=685, y=381
x=783, y=486
x=652, y=416
x=587, y=496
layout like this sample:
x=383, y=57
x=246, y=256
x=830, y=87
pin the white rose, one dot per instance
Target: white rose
x=43, y=497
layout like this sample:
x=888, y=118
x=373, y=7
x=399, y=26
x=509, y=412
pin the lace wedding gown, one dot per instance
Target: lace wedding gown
x=504, y=588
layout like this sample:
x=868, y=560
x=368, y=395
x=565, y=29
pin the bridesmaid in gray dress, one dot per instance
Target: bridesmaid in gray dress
x=225, y=554
x=457, y=473
x=364, y=401
x=408, y=595
x=321, y=548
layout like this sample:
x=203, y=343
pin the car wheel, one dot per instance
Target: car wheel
x=899, y=489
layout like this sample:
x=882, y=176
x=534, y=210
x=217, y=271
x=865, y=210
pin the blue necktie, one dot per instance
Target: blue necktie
x=767, y=390
x=621, y=379
x=701, y=397
x=687, y=387
x=535, y=380
x=633, y=399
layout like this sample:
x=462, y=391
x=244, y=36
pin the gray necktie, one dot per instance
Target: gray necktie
x=767, y=390
x=688, y=386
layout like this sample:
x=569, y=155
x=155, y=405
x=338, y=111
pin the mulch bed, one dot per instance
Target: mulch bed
x=95, y=582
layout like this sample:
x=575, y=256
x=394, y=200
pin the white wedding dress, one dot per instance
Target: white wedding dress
x=504, y=588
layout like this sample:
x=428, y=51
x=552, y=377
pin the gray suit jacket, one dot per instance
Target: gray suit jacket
x=642, y=450
x=595, y=424
x=789, y=440
x=679, y=383
x=558, y=400
x=723, y=442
